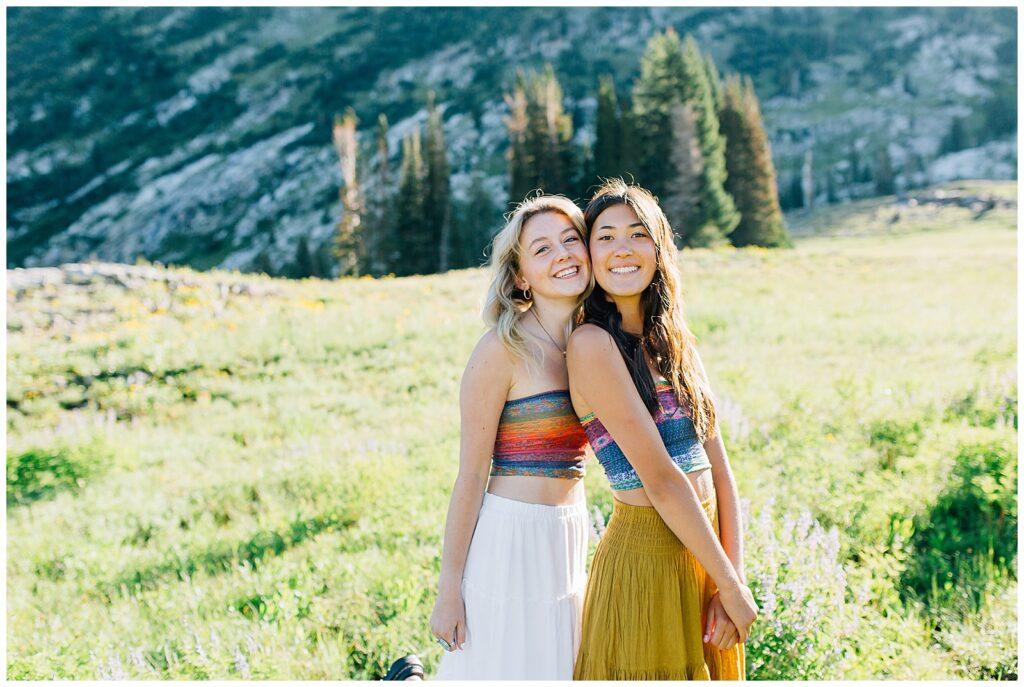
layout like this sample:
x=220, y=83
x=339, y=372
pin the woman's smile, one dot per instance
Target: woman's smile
x=622, y=252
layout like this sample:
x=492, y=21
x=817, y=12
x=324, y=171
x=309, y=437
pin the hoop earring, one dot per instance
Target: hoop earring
x=527, y=294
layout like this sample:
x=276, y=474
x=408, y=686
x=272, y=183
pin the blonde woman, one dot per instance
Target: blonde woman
x=512, y=579
x=666, y=598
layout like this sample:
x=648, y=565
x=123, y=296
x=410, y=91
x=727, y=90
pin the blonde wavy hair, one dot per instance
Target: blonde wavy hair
x=505, y=303
x=666, y=339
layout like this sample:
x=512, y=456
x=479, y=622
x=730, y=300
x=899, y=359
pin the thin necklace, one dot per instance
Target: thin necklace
x=550, y=338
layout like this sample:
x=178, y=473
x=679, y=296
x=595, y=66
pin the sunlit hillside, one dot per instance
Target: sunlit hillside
x=202, y=135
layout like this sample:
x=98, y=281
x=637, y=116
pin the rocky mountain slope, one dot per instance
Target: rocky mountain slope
x=201, y=136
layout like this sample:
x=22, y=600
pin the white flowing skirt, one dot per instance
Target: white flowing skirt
x=523, y=588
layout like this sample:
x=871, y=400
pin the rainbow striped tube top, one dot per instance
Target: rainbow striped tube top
x=676, y=430
x=540, y=435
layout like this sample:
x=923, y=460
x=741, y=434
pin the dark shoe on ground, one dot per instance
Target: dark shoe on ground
x=406, y=668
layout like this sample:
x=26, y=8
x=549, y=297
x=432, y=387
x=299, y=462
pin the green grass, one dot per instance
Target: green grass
x=255, y=486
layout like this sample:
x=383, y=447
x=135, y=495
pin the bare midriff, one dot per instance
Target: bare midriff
x=544, y=491
x=701, y=480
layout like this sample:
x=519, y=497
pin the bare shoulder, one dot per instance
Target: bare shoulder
x=595, y=364
x=588, y=342
x=490, y=363
x=491, y=349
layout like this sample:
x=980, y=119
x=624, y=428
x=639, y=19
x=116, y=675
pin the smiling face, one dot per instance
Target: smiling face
x=622, y=252
x=553, y=261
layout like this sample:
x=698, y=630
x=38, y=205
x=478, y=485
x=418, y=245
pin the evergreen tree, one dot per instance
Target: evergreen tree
x=831, y=191
x=958, y=137
x=751, y=173
x=438, y=191
x=794, y=199
x=629, y=148
x=885, y=180
x=416, y=249
x=673, y=73
x=520, y=163
x=261, y=264
x=479, y=220
x=657, y=89
x=585, y=173
x=306, y=262
x=381, y=237
x=715, y=217
x=686, y=168
x=854, y=159
x=540, y=156
x=714, y=81
x=607, y=155
x=348, y=244
x=549, y=132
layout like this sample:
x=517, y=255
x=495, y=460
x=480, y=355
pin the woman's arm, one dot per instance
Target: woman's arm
x=484, y=389
x=598, y=373
x=718, y=627
x=729, y=523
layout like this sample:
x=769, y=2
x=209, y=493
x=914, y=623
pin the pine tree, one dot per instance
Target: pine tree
x=885, y=180
x=957, y=138
x=583, y=171
x=714, y=81
x=540, y=156
x=438, y=191
x=657, y=89
x=306, y=264
x=791, y=193
x=629, y=149
x=380, y=238
x=549, y=132
x=674, y=73
x=348, y=242
x=607, y=155
x=686, y=168
x=715, y=216
x=416, y=249
x=751, y=173
x=479, y=220
x=520, y=163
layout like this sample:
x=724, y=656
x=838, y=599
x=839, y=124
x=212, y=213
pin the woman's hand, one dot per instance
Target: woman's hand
x=719, y=630
x=448, y=620
x=741, y=608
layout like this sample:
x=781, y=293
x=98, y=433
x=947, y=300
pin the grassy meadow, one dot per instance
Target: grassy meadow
x=209, y=484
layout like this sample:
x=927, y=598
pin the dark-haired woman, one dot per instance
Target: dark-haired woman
x=666, y=597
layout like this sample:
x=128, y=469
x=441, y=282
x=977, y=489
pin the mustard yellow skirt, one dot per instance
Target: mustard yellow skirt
x=643, y=613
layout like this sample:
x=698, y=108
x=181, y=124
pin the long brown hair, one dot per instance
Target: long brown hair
x=666, y=338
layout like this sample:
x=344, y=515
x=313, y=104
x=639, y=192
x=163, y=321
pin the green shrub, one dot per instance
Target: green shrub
x=968, y=540
x=894, y=439
x=41, y=472
x=985, y=408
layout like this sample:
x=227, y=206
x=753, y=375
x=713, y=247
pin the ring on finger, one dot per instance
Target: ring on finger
x=444, y=643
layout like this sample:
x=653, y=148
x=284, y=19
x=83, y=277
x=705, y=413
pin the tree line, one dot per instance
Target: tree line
x=694, y=138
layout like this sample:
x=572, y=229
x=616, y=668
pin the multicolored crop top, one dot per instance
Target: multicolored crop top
x=540, y=435
x=676, y=429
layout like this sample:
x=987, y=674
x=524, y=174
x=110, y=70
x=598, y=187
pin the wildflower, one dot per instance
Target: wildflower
x=138, y=660
x=241, y=664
